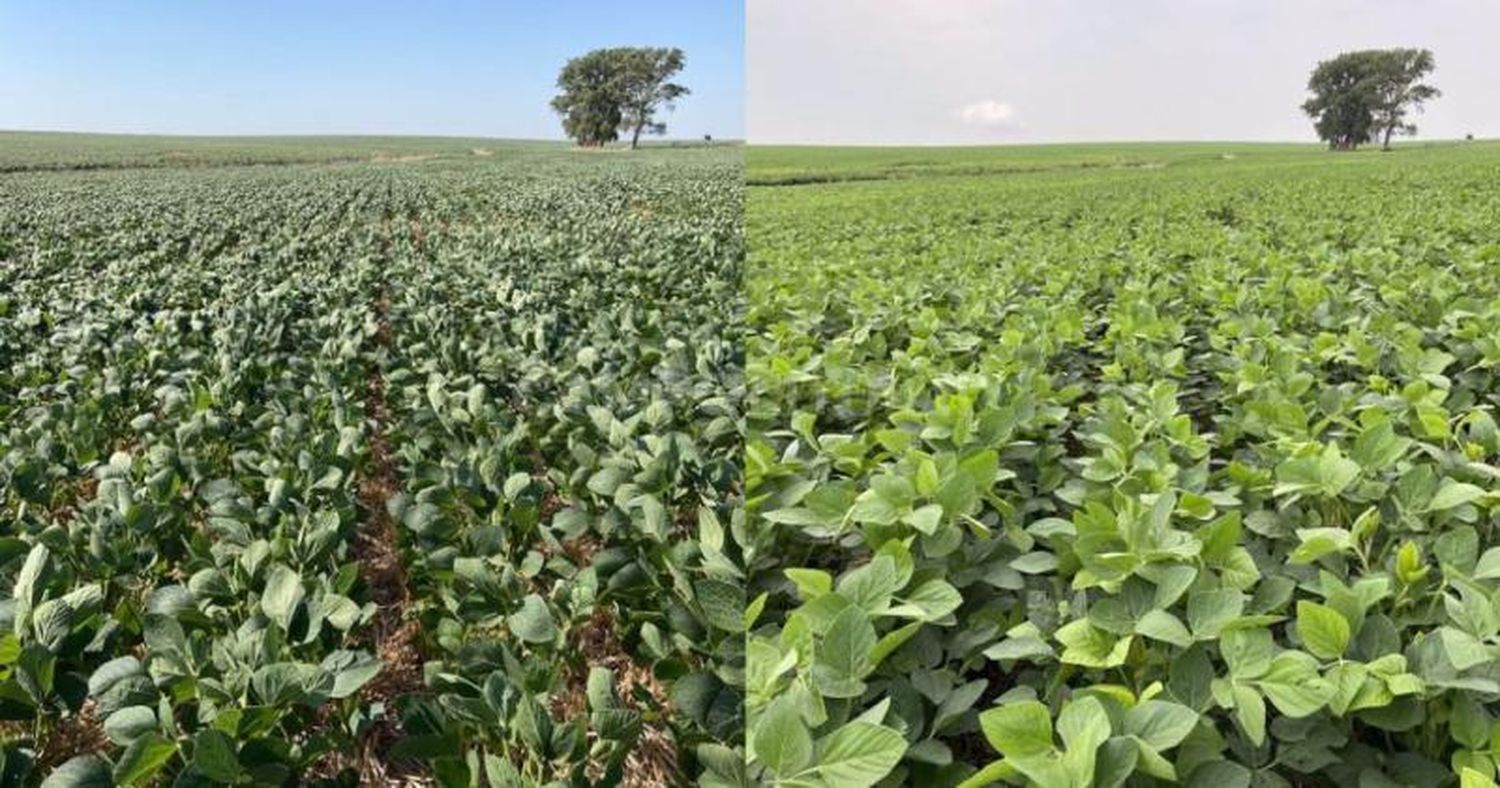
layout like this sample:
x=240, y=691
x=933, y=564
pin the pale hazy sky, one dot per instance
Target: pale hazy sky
x=999, y=71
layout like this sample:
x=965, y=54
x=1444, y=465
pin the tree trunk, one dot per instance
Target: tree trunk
x=1386, y=144
x=635, y=136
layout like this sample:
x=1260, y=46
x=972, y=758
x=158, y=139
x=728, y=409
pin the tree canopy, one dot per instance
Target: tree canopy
x=617, y=90
x=589, y=102
x=1369, y=94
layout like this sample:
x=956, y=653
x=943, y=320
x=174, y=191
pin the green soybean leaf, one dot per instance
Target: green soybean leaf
x=1323, y=630
x=533, y=623
x=145, y=756
x=1472, y=778
x=1087, y=645
x=1452, y=494
x=723, y=604
x=1318, y=542
x=129, y=723
x=1293, y=685
x=1163, y=626
x=1488, y=567
x=1162, y=725
x=1220, y=774
x=1018, y=729
x=82, y=771
x=1250, y=711
x=859, y=754
x=846, y=649
x=993, y=773
x=1379, y=447
x=781, y=740
x=283, y=594
x=214, y=756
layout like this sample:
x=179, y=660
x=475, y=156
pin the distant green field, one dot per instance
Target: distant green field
x=796, y=164
x=29, y=151
x=1124, y=465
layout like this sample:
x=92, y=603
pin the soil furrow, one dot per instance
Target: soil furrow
x=377, y=548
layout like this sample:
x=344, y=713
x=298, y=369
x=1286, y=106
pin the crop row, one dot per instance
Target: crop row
x=565, y=392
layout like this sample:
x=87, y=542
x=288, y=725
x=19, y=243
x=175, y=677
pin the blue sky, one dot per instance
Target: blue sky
x=338, y=66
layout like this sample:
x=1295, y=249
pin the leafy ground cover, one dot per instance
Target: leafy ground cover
x=385, y=468
x=1127, y=465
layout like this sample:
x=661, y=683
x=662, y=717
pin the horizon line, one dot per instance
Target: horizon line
x=1043, y=143
x=354, y=135
x=339, y=135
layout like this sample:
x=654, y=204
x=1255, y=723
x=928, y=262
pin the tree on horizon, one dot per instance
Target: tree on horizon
x=1368, y=94
x=617, y=90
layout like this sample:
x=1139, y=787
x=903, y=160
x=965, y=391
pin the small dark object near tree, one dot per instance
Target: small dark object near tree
x=609, y=91
x=1359, y=96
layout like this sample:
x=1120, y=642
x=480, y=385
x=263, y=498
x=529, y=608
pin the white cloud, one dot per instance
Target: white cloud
x=986, y=113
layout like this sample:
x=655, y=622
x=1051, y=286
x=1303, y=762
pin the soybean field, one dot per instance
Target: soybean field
x=1123, y=465
x=368, y=461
